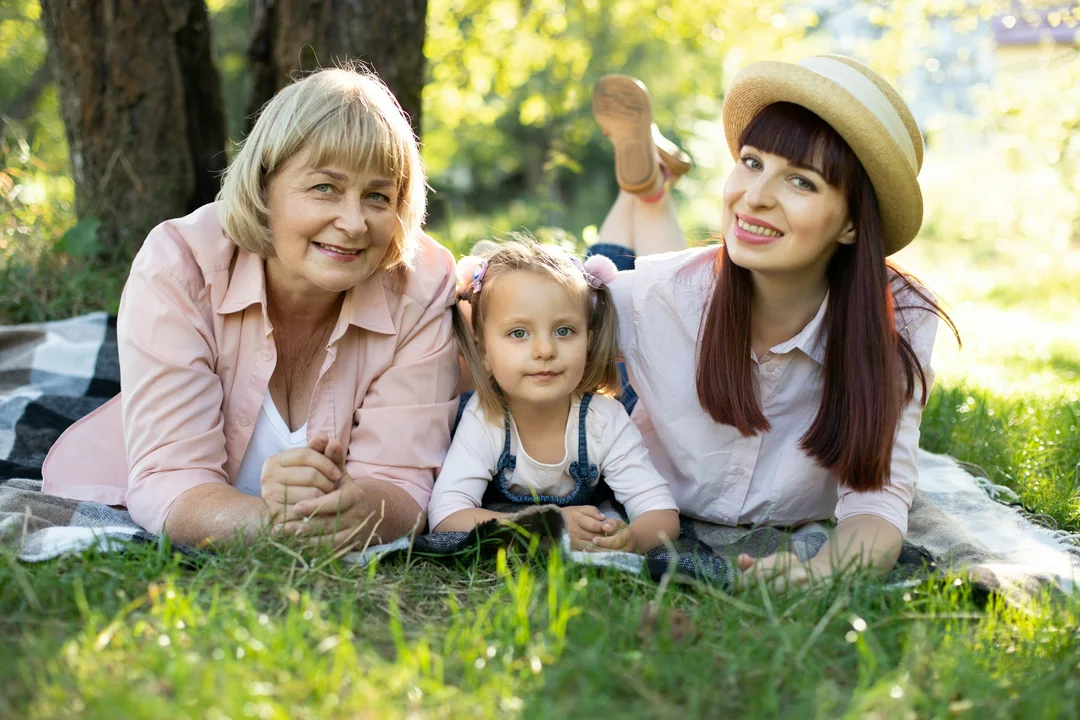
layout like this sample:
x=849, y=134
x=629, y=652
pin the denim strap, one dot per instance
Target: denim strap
x=582, y=471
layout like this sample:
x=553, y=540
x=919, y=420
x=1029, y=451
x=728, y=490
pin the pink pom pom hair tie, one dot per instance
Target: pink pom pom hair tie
x=598, y=270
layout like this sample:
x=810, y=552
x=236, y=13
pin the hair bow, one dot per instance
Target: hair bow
x=470, y=272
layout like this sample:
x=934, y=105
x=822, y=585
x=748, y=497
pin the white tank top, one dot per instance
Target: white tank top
x=270, y=436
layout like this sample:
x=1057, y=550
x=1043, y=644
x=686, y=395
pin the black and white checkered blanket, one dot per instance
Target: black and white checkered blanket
x=51, y=374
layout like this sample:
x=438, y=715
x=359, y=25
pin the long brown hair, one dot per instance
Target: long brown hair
x=865, y=356
x=522, y=252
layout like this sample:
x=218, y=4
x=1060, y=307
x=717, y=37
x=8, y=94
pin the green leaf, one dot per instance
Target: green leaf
x=82, y=239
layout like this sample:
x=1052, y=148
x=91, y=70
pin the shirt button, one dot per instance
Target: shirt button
x=740, y=471
x=244, y=422
x=771, y=367
x=266, y=356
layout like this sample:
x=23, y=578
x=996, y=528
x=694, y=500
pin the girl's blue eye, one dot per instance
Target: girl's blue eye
x=564, y=331
x=517, y=334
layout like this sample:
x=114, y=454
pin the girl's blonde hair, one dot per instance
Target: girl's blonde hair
x=340, y=115
x=522, y=252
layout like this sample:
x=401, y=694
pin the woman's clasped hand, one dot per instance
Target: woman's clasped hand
x=310, y=495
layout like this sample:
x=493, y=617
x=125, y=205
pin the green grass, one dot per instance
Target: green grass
x=1029, y=444
x=255, y=632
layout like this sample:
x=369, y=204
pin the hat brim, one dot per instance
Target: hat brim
x=896, y=185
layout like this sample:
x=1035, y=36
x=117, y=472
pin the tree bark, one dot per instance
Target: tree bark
x=291, y=37
x=141, y=100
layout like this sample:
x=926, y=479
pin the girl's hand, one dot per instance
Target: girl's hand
x=617, y=537
x=584, y=522
x=781, y=570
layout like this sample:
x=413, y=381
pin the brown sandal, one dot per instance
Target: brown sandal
x=671, y=154
x=621, y=106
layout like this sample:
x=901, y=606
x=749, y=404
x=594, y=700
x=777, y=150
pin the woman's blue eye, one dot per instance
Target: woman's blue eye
x=517, y=334
x=564, y=331
x=751, y=162
x=379, y=197
x=323, y=188
x=803, y=184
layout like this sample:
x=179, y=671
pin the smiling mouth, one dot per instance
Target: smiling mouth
x=757, y=229
x=336, y=249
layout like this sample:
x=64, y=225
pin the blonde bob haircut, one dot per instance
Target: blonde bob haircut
x=342, y=116
x=523, y=253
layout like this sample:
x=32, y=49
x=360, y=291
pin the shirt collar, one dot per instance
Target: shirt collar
x=247, y=283
x=365, y=305
x=811, y=339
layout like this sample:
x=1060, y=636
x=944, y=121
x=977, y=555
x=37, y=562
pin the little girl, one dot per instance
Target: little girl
x=544, y=425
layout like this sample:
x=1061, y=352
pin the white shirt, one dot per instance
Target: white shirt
x=614, y=445
x=714, y=472
x=270, y=437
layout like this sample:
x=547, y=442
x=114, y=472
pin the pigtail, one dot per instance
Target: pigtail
x=464, y=294
x=602, y=362
x=489, y=397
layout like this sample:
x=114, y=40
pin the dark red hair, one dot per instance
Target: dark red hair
x=870, y=368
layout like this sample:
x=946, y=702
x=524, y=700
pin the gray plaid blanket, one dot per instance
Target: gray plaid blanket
x=51, y=374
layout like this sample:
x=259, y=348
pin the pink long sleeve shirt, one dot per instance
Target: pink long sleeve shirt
x=714, y=472
x=196, y=354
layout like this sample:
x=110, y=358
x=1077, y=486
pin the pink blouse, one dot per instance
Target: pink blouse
x=196, y=355
x=714, y=472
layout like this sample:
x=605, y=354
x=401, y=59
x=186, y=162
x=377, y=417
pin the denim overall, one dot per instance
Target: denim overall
x=582, y=471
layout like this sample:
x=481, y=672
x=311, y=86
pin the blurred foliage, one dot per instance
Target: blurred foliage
x=1034, y=117
x=22, y=52
x=230, y=26
x=507, y=107
x=509, y=140
x=23, y=46
x=36, y=190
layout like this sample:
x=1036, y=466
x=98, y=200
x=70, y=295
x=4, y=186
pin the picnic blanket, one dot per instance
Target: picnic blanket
x=54, y=373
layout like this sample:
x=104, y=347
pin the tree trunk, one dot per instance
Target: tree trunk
x=141, y=101
x=291, y=37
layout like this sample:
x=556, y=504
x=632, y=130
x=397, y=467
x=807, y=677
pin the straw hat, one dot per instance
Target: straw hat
x=863, y=108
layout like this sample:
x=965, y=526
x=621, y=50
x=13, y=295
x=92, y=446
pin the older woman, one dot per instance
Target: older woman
x=286, y=353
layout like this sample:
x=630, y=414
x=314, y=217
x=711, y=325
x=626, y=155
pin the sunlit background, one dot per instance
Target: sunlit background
x=510, y=143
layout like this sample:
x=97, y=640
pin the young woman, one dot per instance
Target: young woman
x=782, y=373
